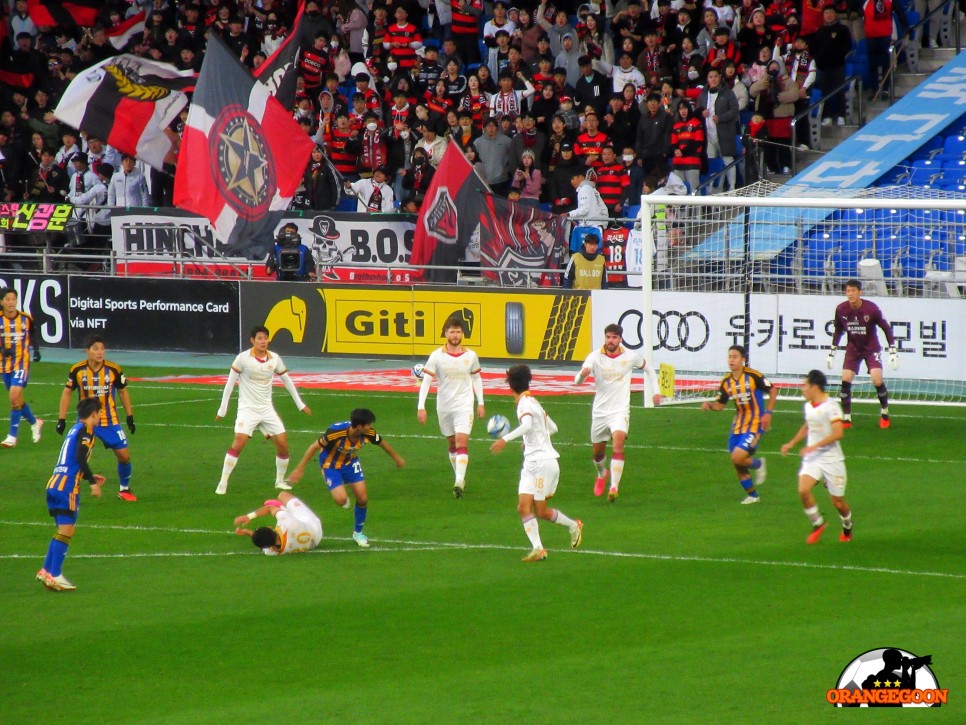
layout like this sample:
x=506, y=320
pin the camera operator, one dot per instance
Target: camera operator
x=290, y=261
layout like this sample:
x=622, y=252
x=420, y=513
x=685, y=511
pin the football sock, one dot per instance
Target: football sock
x=124, y=474
x=749, y=487
x=462, y=460
x=755, y=464
x=883, y=395
x=616, y=469
x=231, y=458
x=846, y=521
x=814, y=515
x=15, y=414
x=360, y=518
x=452, y=458
x=559, y=517
x=56, y=553
x=532, y=531
x=845, y=397
x=28, y=414
x=599, y=464
x=281, y=468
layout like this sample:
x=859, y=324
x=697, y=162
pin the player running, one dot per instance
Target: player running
x=822, y=457
x=99, y=378
x=612, y=366
x=254, y=370
x=297, y=528
x=540, y=473
x=17, y=336
x=456, y=371
x=858, y=318
x=337, y=449
x=747, y=387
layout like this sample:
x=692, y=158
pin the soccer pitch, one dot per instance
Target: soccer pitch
x=682, y=606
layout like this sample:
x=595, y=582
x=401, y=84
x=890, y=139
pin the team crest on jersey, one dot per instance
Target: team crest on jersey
x=866, y=319
x=441, y=221
x=243, y=167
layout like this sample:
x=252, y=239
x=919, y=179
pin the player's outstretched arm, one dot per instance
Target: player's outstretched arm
x=293, y=391
x=796, y=439
x=392, y=454
x=295, y=475
x=581, y=376
x=712, y=405
x=226, y=394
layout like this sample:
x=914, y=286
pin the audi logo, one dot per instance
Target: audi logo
x=675, y=330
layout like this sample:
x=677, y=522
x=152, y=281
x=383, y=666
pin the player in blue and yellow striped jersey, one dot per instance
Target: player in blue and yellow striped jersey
x=99, y=378
x=748, y=388
x=63, y=491
x=337, y=450
x=16, y=339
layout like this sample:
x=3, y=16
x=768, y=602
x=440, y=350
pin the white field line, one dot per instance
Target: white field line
x=406, y=545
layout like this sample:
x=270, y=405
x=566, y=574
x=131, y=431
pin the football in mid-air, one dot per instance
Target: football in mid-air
x=497, y=426
x=418, y=371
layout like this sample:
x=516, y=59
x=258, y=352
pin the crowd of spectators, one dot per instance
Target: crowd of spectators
x=530, y=93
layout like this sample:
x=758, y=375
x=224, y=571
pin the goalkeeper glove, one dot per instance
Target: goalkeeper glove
x=830, y=360
x=893, y=358
x=61, y=426
x=130, y=423
x=36, y=355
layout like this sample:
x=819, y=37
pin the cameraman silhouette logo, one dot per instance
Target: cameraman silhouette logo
x=898, y=673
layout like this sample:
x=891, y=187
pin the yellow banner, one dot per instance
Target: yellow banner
x=537, y=325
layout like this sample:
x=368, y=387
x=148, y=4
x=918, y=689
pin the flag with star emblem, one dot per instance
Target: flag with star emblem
x=242, y=154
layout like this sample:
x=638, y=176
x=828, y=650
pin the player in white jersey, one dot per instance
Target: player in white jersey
x=822, y=457
x=456, y=371
x=297, y=528
x=541, y=472
x=254, y=370
x=611, y=367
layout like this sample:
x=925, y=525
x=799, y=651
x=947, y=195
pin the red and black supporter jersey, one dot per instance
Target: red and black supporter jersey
x=611, y=181
x=688, y=137
x=313, y=65
x=336, y=142
x=587, y=144
x=404, y=35
x=465, y=22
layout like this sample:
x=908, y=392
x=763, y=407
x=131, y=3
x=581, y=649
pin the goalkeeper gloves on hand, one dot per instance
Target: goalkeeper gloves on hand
x=61, y=426
x=830, y=360
x=130, y=423
x=893, y=358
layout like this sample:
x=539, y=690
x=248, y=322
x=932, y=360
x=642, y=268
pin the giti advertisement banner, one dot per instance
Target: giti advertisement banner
x=306, y=319
x=155, y=314
x=43, y=297
x=789, y=334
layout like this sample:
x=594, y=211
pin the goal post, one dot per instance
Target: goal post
x=767, y=272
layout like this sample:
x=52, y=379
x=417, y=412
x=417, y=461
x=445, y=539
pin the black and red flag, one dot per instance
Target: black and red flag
x=279, y=72
x=129, y=102
x=516, y=240
x=449, y=215
x=242, y=154
x=65, y=13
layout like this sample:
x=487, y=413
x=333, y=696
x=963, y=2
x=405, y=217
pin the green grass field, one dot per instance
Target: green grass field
x=682, y=606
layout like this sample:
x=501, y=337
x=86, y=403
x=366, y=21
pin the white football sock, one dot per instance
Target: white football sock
x=227, y=468
x=559, y=517
x=281, y=468
x=533, y=532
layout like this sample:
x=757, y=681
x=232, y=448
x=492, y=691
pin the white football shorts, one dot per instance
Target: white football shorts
x=602, y=427
x=268, y=422
x=456, y=421
x=832, y=472
x=539, y=478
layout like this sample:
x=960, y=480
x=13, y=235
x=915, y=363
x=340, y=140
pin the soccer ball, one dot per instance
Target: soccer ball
x=417, y=371
x=497, y=426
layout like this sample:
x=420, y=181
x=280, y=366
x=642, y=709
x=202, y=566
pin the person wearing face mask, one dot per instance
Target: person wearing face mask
x=339, y=60
x=373, y=195
x=402, y=39
x=417, y=179
x=370, y=146
x=313, y=23
x=401, y=142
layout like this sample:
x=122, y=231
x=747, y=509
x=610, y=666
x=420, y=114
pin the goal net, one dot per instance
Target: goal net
x=765, y=267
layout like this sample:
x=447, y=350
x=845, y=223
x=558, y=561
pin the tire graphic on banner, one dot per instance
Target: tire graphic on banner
x=563, y=327
x=514, y=328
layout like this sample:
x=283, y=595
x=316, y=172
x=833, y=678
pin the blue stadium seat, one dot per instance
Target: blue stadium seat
x=933, y=147
x=852, y=218
x=348, y=203
x=890, y=248
x=954, y=171
x=924, y=173
x=852, y=245
x=925, y=248
x=954, y=148
x=818, y=248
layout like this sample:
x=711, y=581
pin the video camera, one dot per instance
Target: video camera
x=288, y=239
x=916, y=662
